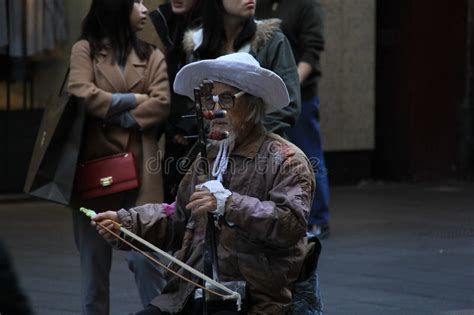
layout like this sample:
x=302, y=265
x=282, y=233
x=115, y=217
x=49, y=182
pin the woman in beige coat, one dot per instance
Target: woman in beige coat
x=124, y=82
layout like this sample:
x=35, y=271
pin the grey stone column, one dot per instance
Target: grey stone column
x=347, y=88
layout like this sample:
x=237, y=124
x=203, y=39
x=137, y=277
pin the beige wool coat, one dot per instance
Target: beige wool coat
x=96, y=80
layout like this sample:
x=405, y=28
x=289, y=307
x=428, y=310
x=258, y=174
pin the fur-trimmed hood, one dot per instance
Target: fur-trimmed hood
x=265, y=31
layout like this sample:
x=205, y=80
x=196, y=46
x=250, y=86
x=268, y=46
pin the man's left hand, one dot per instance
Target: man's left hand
x=202, y=201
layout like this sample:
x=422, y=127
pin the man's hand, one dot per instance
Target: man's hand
x=105, y=218
x=202, y=201
x=180, y=139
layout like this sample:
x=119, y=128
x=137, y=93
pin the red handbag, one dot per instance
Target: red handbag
x=106, y=176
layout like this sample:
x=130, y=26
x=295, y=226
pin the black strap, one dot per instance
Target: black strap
x=61, y=90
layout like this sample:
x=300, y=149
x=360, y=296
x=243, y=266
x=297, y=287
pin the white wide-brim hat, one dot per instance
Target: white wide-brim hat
x=239, y=70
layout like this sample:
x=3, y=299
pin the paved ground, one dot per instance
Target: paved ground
x=394, y=249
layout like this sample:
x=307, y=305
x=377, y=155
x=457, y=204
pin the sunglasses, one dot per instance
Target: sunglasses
x=226, y=100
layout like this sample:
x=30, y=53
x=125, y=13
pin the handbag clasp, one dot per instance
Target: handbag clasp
x=106, y=181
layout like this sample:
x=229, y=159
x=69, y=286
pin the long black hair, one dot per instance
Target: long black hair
x=212, y=15
x=110, y=20
x=172, y=34
x=181, y=22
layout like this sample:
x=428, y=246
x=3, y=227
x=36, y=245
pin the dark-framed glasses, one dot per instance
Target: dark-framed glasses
x=226, y=100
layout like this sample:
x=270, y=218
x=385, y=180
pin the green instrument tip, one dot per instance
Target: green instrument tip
x=88, y=212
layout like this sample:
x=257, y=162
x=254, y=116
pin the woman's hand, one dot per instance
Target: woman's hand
x=141, y=98
x=107, y=219
x=202, y=201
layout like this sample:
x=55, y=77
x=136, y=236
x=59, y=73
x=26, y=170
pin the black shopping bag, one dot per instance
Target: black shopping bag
x=53, y=163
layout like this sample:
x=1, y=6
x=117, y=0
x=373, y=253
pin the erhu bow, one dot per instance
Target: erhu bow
x=231, y=295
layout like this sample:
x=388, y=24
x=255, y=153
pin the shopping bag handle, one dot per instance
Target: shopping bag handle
x=61, y=90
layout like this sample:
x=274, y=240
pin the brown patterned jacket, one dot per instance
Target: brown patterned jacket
x=262, y=234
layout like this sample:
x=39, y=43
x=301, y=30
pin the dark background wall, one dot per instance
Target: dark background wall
x=18, y=131
x=422, y=90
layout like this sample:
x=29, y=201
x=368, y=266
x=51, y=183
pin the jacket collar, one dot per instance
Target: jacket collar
x=198, y=38
x=121, y=81
x=248, y=148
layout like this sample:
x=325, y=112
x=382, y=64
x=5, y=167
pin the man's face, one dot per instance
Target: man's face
x=234, y=122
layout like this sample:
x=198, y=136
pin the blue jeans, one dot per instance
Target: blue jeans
x=306, y=135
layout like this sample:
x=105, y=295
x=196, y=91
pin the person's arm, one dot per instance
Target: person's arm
x=152, y=222
x=161, y=224
x=311, y=38
x=139, y=220
x=82, y=82
x=119, y=111
x=281, y=219
x=124, y=109
x=112, y=107
x=280, y=60
x=148, y=221
x=155, y=109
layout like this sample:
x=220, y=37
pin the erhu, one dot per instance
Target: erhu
x=203, y=101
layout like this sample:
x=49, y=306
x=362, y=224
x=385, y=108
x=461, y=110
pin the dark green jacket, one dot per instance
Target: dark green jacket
x=302, y=23
x=273, y=51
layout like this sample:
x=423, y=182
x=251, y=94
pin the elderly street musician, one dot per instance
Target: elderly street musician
x=252, y=192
